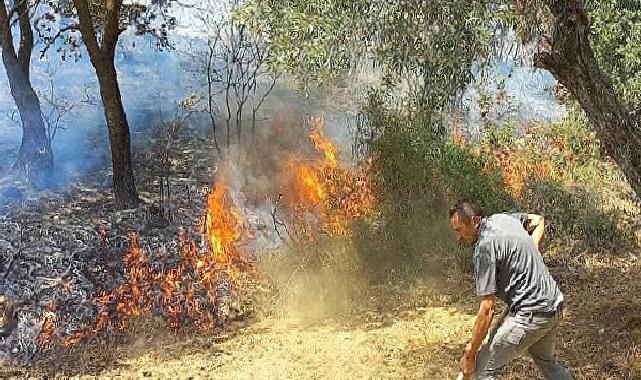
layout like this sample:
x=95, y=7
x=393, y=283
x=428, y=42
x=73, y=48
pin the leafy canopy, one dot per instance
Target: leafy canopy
x=425, y=47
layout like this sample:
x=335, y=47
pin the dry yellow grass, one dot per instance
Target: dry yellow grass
x=405, y=330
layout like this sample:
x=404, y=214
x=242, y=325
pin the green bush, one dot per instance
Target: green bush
x=573, y=212
x=419, y=172
x=464, y=178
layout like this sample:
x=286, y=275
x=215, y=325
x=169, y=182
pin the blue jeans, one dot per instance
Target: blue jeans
x=517, y=334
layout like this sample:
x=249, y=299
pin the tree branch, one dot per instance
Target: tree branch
x=26, y=36
x=12, y=11
x=6, y=39
x=568, y=55
x=49, y=41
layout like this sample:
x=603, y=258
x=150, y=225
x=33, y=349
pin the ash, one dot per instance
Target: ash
x=60, y=249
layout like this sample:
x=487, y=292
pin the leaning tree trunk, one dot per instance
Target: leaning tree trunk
x=124, y=184
x=35, y=158
x=566, y=52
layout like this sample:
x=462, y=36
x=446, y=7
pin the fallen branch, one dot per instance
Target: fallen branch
x=280, y=223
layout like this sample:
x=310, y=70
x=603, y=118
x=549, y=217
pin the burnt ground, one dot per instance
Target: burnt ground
x=401, y=329
x=61, y=247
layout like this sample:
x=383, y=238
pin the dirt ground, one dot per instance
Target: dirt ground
x=393, y=331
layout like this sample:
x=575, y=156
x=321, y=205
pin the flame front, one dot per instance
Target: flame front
x=323, y=188
x=222, y=225
x=187, y=293
x=323, y=144
x=307, y=184
x=318, y=193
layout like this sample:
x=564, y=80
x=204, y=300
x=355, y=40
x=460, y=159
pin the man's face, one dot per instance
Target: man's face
x=465, y=232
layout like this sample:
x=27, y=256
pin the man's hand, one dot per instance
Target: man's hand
x=536, y=227
x=468, y=361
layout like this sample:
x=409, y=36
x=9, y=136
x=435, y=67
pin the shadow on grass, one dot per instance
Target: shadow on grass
x=111, y=352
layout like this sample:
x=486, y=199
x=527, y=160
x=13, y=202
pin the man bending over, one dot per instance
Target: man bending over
x=508, y=265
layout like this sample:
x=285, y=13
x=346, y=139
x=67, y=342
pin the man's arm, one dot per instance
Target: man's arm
x=482, y=324
x=485, y=273
x=536, y=227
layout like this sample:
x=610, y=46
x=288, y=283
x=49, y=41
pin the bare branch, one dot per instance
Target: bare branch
x=236, y=60
x=50, y=40
x=210, y=96
x=266, y=93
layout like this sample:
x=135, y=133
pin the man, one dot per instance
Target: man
x=508, y=265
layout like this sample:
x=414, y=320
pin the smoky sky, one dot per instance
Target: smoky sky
x=152, y=82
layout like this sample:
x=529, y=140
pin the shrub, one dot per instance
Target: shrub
x=554, y=170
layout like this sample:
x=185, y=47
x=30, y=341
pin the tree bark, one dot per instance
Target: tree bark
x=119, y=137
x=102, y=59
x=566, y=52
x=35, y=157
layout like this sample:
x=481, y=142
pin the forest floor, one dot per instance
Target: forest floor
x=394, y=331
x=408, y=329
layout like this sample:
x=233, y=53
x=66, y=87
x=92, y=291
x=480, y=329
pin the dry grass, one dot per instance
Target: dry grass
x=324, y=322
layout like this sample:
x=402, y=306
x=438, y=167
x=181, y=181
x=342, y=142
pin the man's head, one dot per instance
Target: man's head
x=466, y=218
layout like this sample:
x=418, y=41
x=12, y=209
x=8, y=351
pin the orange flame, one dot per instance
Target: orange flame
x=325, y=189
x=322, y=143
x=187, y=292
x=307, y=184
x=320, y=194
x=222, y=224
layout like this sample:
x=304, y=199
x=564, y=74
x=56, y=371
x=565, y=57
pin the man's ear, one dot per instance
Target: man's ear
x=476, y=220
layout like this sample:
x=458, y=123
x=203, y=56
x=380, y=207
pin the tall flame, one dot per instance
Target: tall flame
x=223, y=224
x=324, y=188
x=322, y=143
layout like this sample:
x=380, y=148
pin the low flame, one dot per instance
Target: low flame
x=320, y=195
x=189, y=292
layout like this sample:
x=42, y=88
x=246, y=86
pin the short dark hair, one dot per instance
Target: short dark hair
x=466, y=210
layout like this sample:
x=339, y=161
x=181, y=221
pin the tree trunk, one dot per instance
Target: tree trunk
x=102, y=59
x=35, y=157
x=124, y=184
x=567, y=54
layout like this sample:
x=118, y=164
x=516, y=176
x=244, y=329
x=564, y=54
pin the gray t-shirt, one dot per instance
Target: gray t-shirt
x=508, y=263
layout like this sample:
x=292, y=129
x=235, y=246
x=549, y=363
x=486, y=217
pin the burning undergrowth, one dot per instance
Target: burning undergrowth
x=324, y=190
x=316, y=198
x=191, y=292
x=286, y=197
